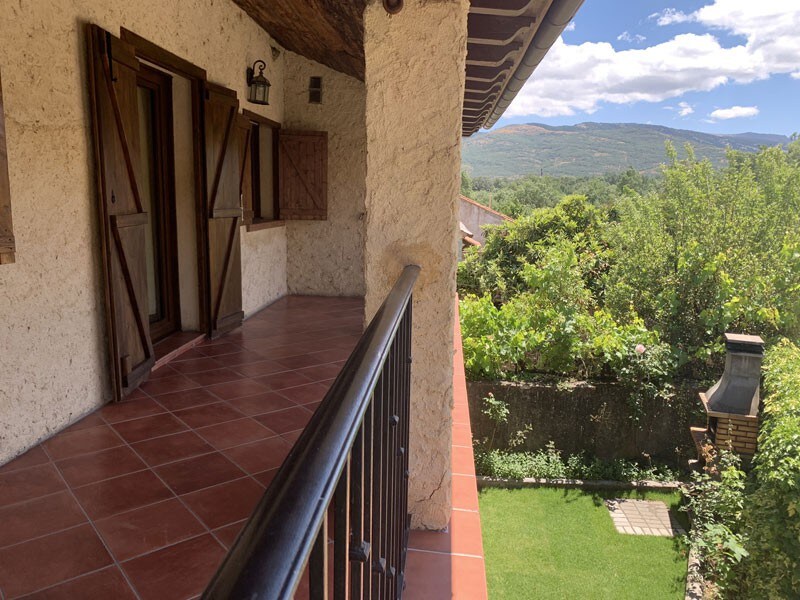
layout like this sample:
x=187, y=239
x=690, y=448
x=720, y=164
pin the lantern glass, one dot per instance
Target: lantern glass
x=258, y=90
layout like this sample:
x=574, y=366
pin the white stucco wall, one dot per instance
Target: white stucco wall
x=414, y=82
x=474, y=217
x=52, y=324
x=263, y=268
x=327, y=257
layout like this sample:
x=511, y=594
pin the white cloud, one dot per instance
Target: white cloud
x=627, y=37
x=578, y=78
x=796, y=75
x=734, y=112
x=685, y=109
x=570, y=26
x=668, y=16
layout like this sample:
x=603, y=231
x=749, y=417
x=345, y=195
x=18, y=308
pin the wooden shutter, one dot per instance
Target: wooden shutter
x=6, y=229
x=113, y=70
x=303, y=174
x=223, y=148
x=246, y=133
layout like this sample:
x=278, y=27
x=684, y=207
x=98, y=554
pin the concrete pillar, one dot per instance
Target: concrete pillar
x=414, y=89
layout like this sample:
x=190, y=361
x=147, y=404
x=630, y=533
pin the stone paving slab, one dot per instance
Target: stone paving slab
x=643, y=517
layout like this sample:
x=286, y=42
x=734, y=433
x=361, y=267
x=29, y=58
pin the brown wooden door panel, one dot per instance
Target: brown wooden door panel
x=223, y=183
x=113, y=73
x=303, y=174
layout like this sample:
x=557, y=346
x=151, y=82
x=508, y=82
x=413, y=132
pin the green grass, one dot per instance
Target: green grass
x=546, y=543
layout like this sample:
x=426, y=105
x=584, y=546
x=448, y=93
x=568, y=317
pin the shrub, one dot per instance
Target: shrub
x=715, y=501
x=772, y=510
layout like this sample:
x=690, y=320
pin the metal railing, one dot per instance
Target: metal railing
x=335, y=517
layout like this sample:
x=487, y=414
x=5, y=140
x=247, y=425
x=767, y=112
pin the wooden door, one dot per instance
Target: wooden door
x=223, y=149
x=113, y=75
x=303, y=174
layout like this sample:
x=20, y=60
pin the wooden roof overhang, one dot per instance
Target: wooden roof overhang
x=506, y=40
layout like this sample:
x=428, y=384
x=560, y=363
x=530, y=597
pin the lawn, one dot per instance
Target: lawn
x=554, y=543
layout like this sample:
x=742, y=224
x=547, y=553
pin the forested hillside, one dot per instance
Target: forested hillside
x=593, y=148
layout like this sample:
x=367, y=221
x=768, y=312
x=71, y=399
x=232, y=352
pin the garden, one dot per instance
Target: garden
x=631, y=292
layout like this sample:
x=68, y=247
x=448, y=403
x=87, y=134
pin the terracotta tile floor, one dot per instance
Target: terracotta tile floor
x=142, y=499
x=450, y=564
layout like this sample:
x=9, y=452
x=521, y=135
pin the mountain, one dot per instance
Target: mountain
x=593, y=148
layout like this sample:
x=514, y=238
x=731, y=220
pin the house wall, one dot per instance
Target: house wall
x=52, y=323
x=474, y=217
x=414, y=88
x=327, y=257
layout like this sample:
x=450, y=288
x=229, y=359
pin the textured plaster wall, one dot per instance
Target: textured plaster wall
x=327, y=257
x=52, y=325
x=414, y=80
x=263, y=268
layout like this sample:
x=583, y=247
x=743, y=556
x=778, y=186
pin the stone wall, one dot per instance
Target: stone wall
x=414, y=89
x=52, y=323
x=327, y=257
x=474, y=216
x=591, y=418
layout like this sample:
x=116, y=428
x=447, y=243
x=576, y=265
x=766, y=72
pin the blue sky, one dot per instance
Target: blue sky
x=720, y=66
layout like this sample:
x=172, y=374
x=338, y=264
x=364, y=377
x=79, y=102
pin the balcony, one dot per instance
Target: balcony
x=145, y=498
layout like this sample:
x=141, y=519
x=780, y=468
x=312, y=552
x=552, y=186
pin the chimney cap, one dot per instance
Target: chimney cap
x=738, y=342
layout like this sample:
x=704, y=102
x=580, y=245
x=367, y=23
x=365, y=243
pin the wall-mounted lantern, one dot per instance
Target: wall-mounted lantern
x=258, y=92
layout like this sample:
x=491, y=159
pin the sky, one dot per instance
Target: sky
x=719, y=66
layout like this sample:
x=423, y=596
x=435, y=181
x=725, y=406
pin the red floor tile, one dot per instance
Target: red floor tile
x=322, y=372
x=266, y=477
x=34, y=518
x=88, y=468
x=30, y=483
x=187, y=399
x=66, y=445
x=227, y=535
x=176, y=572
x=146, y=428
x=260, y=456
x=261, y=403
x=208, y=414
x=171, y=448
x=206, y=378
x=130, y=409
x=114, y=496
x=234, y=433
x=218, y=349
x=168, y=384
x=33, y=457
x=143, y=530
x=305, y=394
x=280, y=381
x=195, y=365
x=260, y=368
x=462, y=537
x=240, y=357
x=284, y=421
x=92, y=420
x=225, y=504
x=462, y=461
x=434, y=576
x=48, y=560
x=106, y=583
x=197, y=473
x=237, y=389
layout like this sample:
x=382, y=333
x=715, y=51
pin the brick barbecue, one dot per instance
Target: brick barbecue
x=732, y=403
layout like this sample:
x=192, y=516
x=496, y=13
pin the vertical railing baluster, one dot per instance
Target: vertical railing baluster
x=318, y=564
x=357, y=548
x=369, y=483
x=378, y=443
x=391, y=566
x=341, y=533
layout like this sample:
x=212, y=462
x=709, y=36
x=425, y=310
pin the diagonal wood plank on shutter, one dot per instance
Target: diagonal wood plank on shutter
x=303, y=174
x=224, y=158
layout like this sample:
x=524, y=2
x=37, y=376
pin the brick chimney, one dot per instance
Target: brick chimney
x=732, y=403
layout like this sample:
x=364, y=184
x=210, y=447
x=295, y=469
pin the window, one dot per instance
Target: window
x=264, y=211
x=315, y=90
x=6, y=230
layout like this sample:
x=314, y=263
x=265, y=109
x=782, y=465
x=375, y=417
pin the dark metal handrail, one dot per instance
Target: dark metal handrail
x=289, y=527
